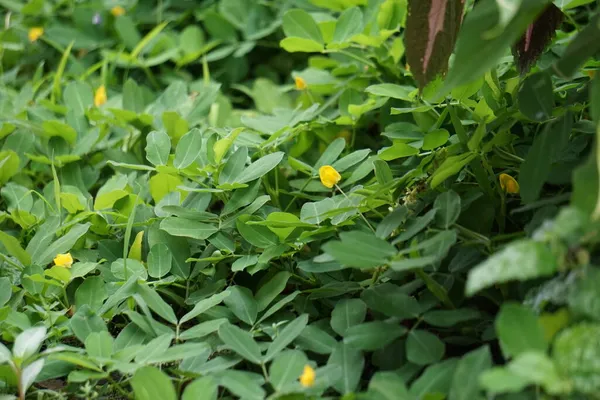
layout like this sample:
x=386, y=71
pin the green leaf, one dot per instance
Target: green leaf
x=448, y=208
x=28, y=342
x=188, y=149
x=519, y=330
x=204, y=388
x=347, y=313
x=156, y=303
x=267, y=292
x=472, y=39
x=158, y=147
x=436, y=378
x=360, y=249
x=85, y=321
x=286, y=368
x=451, y=166
x=423, y=348
x=256, y=235
x=435, y=139
x=9, y=165
x=150, y=383
x=579, y=49
x=575, y=353
x=180, y=352
x=91, y=292
x=234, y=166
x=316, y=340
x=13, y=247
x=298, y=23
x=204, y=305
x=5, y=295
x=295, y=44
x=202, y=329
x=63, y=244
x=536, y=98
x=351, y=363
x=260, y=167
x=401, y=92
x=57, y=128
x=388, y=386
x=539, y=369
x=349, y=23
x=242, y=384
x=99, y=345
x=241, y=342
x=160, y=260
x=78, y=97
x=373, y=335
x=465, y=383
x=184, y=227
x=448, y=318
x=391, y=301
x=241, y=302
x=286, y=336
x=521, y=260
x=398, y=150
x=502, y=380
x=536, y=168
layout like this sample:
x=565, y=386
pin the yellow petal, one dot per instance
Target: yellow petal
x=329, y=176
x=35, y=33
x=117, y=11
x=300, y=83
x=63, y=260
x=100, y=96
x=508, y=183
x=307, y=379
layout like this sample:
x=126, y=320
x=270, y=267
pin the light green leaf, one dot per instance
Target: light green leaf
x=158, y=147
x=184, y=227
x=519, y=330
x=150, y=383
x=521, y=260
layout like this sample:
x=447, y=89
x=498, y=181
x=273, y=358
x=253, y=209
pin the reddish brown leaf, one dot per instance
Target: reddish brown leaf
x=431, y=30
x=537, y=36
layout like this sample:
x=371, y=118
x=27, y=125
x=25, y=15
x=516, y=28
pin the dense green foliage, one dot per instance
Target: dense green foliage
x=173, y=149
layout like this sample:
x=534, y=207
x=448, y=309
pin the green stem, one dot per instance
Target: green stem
x=361, y=214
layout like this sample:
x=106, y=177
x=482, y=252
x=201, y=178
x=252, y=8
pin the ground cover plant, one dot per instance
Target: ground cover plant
x=299, y=199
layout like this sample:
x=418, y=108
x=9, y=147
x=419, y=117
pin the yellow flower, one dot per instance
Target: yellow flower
x=63, y=260
x=100, y=96
x=329, y=176
x=35, y=33
x=300, y=83
x=509, y=184
x=307, y=379
x=117, y=11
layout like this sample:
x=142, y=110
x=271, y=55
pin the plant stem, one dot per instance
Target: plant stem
x=361, y=214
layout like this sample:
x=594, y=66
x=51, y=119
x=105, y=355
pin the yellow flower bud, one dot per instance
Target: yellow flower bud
x=300, y=83
x=329, y=176
x=117, y=11
x=35, y=33
x=100, y=96
x=508, y=184
x=63, y=260
x=307, y=379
